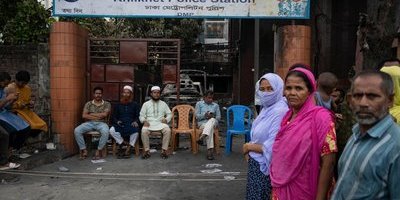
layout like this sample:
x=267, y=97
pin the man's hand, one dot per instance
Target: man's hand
x=95, y=116
x=31, y=104
x=12, y=97
x=209, y=115
x=146, y=124
x=135, y=124
x=164, y=121
x=119, y=123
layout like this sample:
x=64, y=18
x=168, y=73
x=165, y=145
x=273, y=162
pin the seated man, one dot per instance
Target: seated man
x=155, y=114
x=207, y=115
x=125, y=118
x=23, y=105
x=96, y=113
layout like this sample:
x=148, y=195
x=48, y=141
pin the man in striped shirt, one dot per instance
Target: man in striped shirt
x=369, y=167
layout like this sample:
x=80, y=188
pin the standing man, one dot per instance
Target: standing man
x=155, y=114
x=125, y=121
x=370, y=163
x=207, y=115
x=96, y=113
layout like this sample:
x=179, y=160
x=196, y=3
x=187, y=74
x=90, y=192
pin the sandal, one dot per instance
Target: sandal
x=164, y=155
x=10, y=165
x=146, y=155
x=200, y=141
x=83, y=155
x=97, y=155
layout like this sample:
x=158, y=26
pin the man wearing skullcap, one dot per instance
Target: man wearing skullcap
x=125, y=119
x=155, y=114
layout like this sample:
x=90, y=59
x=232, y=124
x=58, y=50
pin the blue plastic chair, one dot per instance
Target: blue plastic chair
x=240, y=124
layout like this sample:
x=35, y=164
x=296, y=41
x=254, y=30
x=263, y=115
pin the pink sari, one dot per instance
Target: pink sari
x=297, y=150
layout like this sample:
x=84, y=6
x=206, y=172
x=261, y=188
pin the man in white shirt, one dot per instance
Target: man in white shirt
x=155, y=114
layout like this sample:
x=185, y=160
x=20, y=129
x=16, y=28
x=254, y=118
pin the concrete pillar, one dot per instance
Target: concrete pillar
x=292, y=45
x=68, y=58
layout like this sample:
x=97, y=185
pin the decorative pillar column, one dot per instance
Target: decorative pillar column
x=68, y=58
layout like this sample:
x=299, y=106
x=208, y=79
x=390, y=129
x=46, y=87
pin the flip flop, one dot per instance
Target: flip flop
x=10, y=166
x=164, y=155
x=96, y=158
x=146, y=155
x=83, y=155
x=97, y=155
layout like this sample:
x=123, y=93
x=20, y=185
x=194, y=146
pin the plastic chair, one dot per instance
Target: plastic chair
x=96, y=134
x=186, y=124
x=239, y=124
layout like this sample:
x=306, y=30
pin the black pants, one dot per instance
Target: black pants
x=4, y=140
x=16, y=138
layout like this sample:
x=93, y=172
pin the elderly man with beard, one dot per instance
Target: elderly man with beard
x=155, y=114
x=370, y=163
x=125, y=118
x=96, y=113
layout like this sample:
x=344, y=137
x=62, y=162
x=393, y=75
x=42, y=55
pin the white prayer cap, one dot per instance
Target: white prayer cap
x=155, y=88
x=127, y=87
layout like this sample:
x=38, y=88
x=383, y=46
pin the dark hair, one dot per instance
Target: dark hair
x=342, y=94
x=23, y=76
x=97, y=88
x=209, y=92
x=382, y=63
x=5, y=76
x=302, y=76
x=387, y=82
x=327, y=81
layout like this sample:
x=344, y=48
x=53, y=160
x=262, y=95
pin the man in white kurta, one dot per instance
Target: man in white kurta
x=155, y=114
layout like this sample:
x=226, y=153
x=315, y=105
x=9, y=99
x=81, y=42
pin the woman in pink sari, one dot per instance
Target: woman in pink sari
x=303, y=155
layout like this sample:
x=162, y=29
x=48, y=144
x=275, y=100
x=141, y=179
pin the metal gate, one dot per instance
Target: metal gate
x=113, y=63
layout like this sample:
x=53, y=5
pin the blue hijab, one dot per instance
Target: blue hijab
x=267, y=124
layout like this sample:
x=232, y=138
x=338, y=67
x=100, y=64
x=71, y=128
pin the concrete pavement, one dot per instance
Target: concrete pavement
x=182, y=176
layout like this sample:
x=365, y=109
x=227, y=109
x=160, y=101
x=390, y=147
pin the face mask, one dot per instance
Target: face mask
x=267, y=98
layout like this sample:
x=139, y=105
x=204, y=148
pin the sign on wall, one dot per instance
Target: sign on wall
x=291, y=9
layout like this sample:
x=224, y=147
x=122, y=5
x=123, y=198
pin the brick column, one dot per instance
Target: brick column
x=68, y=60
x=292, y=45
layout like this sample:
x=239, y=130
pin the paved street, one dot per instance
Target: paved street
x=182, y=176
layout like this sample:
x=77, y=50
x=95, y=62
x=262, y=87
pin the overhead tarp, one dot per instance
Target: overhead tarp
x=278, y=9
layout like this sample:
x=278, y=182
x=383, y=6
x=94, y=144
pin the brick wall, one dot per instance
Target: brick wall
x=35, y=60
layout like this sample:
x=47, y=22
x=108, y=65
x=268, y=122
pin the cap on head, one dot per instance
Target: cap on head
x=155, y=88
x=127, y=87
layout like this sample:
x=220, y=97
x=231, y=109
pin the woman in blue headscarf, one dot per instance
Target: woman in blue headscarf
x=264, y=129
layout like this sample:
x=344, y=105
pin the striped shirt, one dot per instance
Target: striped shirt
x=369, y=167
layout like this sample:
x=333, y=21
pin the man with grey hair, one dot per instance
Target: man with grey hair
x=155, y=114
x=369, y=166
